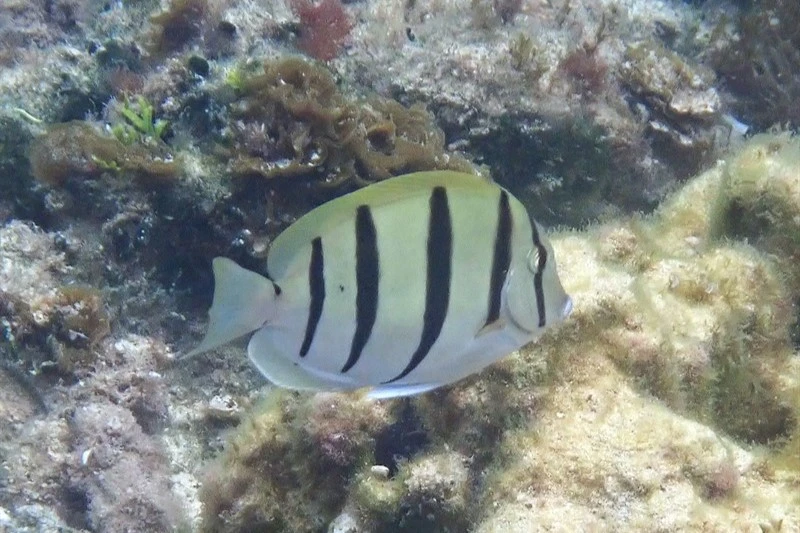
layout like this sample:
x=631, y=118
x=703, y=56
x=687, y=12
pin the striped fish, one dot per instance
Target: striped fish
x=403, y=286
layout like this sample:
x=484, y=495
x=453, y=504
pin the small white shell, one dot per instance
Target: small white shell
x=379, y=471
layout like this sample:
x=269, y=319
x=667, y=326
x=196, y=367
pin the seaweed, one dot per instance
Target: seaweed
x=585, y=69
x=75, y=149
x=293, y=121
x=78, y=323
x=140, y=123
x=81, y=316
x=526, y=57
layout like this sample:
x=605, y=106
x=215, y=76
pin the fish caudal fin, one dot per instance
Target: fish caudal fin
x=243, y=302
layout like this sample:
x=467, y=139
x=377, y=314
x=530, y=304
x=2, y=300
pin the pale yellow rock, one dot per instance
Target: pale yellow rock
x=676, y=400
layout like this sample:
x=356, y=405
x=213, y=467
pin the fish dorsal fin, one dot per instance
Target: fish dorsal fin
x=342, y=210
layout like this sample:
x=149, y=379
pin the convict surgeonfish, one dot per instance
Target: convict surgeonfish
x=402, y=286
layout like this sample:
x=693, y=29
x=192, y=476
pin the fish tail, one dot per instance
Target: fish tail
x=243, y=302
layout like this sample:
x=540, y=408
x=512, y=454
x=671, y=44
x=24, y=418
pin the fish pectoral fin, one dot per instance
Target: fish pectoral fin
x=497, y=325
x=285, y=372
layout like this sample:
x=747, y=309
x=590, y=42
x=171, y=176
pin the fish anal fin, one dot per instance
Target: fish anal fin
x=290, y=374
x=283, y=371
x=385, y=392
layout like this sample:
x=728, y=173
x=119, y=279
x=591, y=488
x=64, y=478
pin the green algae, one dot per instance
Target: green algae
x=142, y=126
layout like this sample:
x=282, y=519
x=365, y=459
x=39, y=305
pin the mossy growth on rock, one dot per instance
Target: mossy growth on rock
x=79, y=322
x=711, y=334
x=472, y=418
x=376, y=499
x=284, y=467
x=294, y=121
x=430, y=493
x=676, y=394
x=758, y=59
x=761, y=194
x=75, y=150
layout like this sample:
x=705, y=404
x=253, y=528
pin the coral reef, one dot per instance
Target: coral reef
x=680, y=98
x=151, y=186
x=138, y=139
x=670, y=400
x=556, y=100
x=532, y=86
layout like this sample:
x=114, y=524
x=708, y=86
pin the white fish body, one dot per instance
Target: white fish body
x=403, y=286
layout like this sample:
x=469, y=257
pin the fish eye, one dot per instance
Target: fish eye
x=533, y=260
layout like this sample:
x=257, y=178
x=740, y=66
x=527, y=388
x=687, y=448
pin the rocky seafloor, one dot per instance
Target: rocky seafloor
x=140, y=139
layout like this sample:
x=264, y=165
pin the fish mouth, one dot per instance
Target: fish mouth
x=567, y=309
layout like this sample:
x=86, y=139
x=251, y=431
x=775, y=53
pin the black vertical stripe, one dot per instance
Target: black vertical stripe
x=439, y=274
x=501, y=259
x=367, y=275
x=537, y=277
x=316, y=287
